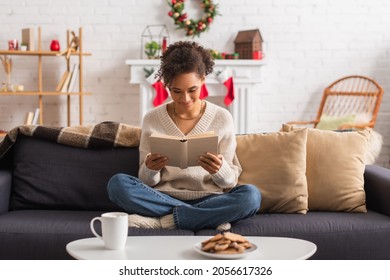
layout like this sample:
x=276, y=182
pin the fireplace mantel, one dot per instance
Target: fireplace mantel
x=246, y=76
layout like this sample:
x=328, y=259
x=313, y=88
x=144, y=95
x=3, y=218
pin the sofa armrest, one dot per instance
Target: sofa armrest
x=377, y=187
x=5, y=189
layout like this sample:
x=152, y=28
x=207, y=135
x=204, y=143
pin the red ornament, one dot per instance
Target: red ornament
x=257, y=55
x=209, y=20
x=170, y=14
x=55, y=46
x=164, y=44
x=173, y=2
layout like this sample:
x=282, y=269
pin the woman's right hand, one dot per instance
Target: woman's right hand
x=156, y=161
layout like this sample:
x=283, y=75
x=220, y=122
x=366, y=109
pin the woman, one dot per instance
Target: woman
x=196, y=197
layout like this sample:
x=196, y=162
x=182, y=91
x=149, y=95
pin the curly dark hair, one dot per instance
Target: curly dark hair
x=184, y=57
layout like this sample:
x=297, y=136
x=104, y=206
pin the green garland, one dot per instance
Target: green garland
x=192, y=27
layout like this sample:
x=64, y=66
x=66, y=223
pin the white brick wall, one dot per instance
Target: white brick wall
x=309, y=44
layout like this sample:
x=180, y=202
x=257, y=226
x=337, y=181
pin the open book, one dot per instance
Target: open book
x=184, y=152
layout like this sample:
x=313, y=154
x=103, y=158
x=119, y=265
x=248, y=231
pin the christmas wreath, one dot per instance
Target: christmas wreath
x=191, y=26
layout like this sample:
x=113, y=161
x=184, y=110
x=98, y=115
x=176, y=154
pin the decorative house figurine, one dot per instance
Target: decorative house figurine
x=248, y=44
x=154, y=41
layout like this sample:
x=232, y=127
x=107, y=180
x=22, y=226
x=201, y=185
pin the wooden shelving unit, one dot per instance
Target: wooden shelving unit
x=43, y=53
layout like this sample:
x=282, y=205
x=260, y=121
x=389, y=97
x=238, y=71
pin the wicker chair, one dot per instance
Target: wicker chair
x=351, y=95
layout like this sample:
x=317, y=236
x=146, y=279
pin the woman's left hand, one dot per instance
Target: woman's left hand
x=210, y=162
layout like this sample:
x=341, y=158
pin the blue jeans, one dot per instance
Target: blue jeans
x=135, y=197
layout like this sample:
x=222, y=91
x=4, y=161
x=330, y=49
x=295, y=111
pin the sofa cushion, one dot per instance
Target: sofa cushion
x=333, y=122
x=335, y=168
x=276, y=164
x=48, y=175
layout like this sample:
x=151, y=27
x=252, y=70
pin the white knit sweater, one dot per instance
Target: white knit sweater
x=193, y=182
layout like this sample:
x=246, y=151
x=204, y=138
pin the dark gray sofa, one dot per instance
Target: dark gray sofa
x=49, y=193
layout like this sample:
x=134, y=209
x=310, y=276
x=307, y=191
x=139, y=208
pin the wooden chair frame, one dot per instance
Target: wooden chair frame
x=350, y=95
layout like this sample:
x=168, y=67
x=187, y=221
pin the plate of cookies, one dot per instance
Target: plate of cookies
x=226, y=245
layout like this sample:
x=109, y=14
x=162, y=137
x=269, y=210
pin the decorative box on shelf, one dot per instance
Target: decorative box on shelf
x=249, y=44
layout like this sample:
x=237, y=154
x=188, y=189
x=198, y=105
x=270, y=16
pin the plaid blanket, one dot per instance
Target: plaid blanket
x=104, y=135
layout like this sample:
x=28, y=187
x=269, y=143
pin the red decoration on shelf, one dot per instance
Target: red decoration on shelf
x=13, y=45
x=257, y=55
x=55, y=46
x=164, y=45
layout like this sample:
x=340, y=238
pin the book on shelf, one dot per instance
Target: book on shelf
x=28, y=38
x=36, y=116
x=63, y=78
x=65, y=85
x=75, y=73
x=32, y=117
x=184, y=152
x=29, y=118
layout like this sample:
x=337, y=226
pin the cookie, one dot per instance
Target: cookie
x=214, y=238
x=221, y=247
x=227, y=251
x=226, y=243
x=234, y=237
x=209, y=246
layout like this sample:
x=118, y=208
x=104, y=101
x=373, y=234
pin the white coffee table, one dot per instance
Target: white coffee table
x=182, y=248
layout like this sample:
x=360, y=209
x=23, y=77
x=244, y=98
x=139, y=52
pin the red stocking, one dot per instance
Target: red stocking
x=203, y=92
x=229, y=97
x=161, y=93
x=226, y=77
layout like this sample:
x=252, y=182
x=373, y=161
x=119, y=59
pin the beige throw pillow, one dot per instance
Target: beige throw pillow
x=276, y=164
x=335, y=169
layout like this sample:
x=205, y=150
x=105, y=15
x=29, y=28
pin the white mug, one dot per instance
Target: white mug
x=114, y=229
